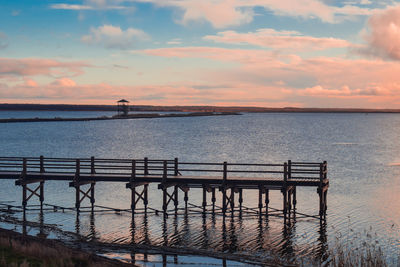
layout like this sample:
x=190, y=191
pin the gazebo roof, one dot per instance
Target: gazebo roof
x=123, y=101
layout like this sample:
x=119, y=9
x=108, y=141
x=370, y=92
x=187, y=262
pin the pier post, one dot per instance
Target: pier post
x=186, y=198
x=176, y=198
x=204, y=204
x=135, y=193
x=77, y=185
x=266, y=201
x=42, y=170
x=92, y=172
x=322, y=189
x=284, y=188
x=232, y=200
x=146, y=166
x=260, y=205
x=213, y=199
x=133, y=188
x=23, y=178
x=225, y=176
x=164, y=188
x=240, y=199
x=176, y=167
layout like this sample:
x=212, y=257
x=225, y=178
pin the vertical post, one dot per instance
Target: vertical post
x=133, y=199
x=289, y=169
x=24, y=168
x=176, y=169
x=133, y=171
x=260, y=205
x=133, y=189
x=41, y=197
x=266, y=201
x=232, y=200
x=176, y=198
x=294, y=198
x=204, y=199
x=320, y=190
x=92, y=199
x=92, y=168
x=284, y=189
x=23, y=176
x=165, y=172
x=186, y=198
x=240, y=198
x=146, y=166
x=225, y=176
x=42, y=164
x=164, y=200
x=77, y=186
x=213, y=199
x=146, y=201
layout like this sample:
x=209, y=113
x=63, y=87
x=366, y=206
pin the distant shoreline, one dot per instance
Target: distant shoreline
x=133, y=116
x=147, y=108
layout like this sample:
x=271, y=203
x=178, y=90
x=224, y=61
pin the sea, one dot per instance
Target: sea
x=363, y=216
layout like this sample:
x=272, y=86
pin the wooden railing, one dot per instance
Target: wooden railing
x=164, y=168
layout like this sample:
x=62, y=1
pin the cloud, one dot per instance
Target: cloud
x=278, y=40
x=362, y=82
x=111, y=36
x=70, y=7
x=3, y=40
x=225, y=13
x=36, y=66
x=383, y=34
x=93, y=5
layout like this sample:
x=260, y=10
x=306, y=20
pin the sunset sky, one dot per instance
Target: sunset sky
x=269, y=53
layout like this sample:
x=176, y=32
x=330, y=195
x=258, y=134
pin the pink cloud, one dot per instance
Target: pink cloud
x=383, y=34
x=278, y=40
x=36, y=66
x=111, y=36
x=272, y=76
x=224, y=13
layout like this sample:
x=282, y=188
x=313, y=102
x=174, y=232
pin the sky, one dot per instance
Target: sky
x=266, y=53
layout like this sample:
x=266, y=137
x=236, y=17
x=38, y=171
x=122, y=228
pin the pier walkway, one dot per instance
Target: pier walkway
x=172, y=177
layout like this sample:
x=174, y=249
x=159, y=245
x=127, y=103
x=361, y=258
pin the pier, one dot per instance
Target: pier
x=229, y=181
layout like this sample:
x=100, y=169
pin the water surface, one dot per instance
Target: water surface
x=363, y=157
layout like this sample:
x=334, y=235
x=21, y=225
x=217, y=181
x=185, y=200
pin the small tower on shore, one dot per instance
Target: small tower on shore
x=123, y=107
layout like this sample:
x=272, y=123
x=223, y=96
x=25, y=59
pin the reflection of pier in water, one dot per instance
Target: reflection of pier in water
x=228, y=238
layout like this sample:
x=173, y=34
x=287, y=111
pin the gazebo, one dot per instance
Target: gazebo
x=123, y=107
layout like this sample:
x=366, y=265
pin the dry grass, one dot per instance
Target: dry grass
x=19, y=250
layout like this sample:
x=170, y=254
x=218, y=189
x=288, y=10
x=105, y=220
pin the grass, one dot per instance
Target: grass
x=19, y=250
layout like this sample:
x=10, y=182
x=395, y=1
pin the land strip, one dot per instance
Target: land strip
x=132, y=116
x=146, y=108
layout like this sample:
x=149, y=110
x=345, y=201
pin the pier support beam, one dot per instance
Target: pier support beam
x=27, y=192
x=322, y=192
x=228, y=200
x=77, y=183
x=138, y=195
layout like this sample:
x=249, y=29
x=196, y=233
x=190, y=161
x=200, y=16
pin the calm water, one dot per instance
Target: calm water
x=363, y=157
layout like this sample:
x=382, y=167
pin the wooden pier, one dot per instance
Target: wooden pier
x=172, y=177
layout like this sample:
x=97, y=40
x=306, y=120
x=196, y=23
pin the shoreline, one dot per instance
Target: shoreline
x=132, y=116
x=203, y=108
x=17, y=249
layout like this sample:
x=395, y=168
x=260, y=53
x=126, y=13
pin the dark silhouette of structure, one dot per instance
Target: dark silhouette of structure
x=123, y=107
